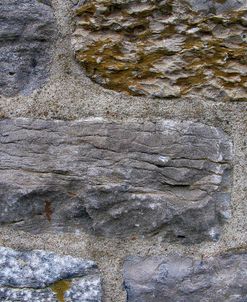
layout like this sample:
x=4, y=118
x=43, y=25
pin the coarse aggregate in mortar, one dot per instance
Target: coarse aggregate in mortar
x=69, y=94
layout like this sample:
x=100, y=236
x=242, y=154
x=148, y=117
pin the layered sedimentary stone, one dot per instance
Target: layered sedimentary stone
x=27, y=30
x=167, y=48
x=44, y=276
x=115, y=179
x=187, y=279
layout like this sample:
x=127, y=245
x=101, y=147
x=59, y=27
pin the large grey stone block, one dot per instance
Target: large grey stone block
x=185, y=279
x=45, y=276
x=27, y=32
x=115, y=179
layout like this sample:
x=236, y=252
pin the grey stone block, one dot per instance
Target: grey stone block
x=115, y=179
x=45, y=276
x=27, y=31
x=185, y=279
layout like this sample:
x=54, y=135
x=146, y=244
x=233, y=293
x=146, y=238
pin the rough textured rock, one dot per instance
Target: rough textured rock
x=44, y=276
x=185, y=279
x=27, y=29
x=168, y=178
x=167, y=48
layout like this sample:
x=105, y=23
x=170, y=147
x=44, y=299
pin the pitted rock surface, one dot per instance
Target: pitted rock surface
x=45, y=276
x=176, y=278
x=169, y=48
x=27, y=31
x=115, y=179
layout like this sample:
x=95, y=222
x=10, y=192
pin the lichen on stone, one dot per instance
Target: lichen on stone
x=43, y=276
x=59, y=288
x=164, y=48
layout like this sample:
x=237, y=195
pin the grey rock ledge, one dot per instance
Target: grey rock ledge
x=115, y=179
x=27, y=33
x=172, y=278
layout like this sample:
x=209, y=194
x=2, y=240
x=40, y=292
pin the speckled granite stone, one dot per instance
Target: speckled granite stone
x=47, y=277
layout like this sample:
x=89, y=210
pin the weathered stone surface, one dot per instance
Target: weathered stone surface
x=168, y=178
x=218, y=6
x=44, y=276
x=27, y=29
x=186, y=279
x=165, y=48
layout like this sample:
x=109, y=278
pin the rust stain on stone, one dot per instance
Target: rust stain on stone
x=48, y=210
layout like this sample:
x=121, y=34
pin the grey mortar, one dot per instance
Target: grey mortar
x=69, y=94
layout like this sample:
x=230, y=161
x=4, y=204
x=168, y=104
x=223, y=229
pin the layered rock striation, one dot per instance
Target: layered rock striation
x=115, y=179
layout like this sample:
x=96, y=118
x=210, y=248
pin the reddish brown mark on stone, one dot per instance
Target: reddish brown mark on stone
x=72, y=194
x=48, y=210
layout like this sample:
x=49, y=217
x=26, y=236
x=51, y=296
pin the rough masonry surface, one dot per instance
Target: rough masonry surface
x=41, y=276
x=164, y=48
x=187, y=279
x=115, y=179
x=27, y=31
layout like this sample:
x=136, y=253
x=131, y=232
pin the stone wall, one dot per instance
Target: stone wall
x=123, y=151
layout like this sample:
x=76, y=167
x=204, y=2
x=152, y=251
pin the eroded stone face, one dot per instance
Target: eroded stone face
x=187, y=279
x=27, y=31
x=40, y=276
x=167, y=48
x=115, y=179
